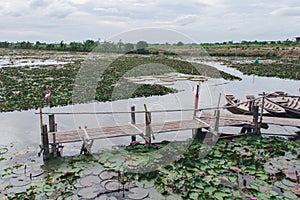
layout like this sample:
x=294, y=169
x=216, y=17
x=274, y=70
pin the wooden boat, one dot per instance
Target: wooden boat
x=239, y=107
x=291, y=104
x=235, y=105
x=274, y=109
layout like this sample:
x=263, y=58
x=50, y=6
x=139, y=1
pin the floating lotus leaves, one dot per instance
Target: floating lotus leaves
x=105, y=175
x=89, y=180
x=20, y=181
x=112, y=185
x=95, y=170
x=105, y=197
x=88, y=192
x=138, y=193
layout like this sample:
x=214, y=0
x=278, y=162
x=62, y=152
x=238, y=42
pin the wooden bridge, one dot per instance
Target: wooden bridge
x=52, y=140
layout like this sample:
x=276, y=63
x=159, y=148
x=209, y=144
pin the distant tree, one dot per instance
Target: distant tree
x=128, y=47
x=88, y=45
x=62, y=45
x=180, y=43
x=141, y=45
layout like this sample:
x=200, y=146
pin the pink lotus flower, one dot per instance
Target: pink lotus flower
x=270, y=149
x=48, y=95
x=236, y=169
x=233, y=140
x=253, y=198
x=133, y=143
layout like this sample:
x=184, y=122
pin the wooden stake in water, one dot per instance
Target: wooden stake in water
x=196, y=100
x=41, y=119
x=133, y=138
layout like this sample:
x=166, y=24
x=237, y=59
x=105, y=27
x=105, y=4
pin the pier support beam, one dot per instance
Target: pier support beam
x=45, y=144
x=256, y=129
x=133, y=138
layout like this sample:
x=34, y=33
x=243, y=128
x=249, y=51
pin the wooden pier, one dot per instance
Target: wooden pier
x=52, y=140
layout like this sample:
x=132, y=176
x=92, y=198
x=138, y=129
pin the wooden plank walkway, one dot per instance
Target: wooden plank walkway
x=248, y=118
x=126, y=130
x=205, y=121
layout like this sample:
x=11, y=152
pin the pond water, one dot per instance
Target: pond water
x=23, y=127
x=6, y=62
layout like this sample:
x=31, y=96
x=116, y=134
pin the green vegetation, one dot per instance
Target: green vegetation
x=281, y=70
x=241, y=168
x=23, y=88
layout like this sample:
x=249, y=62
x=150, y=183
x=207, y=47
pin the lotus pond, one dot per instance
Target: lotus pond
x=23, y=88
x=240, y=168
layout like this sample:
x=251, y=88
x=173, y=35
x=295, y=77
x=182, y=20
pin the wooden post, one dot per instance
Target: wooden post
x=41, y=119
x=262, y=108
x=196, y=100
x=255, y=120
x=133, y=138
x=52, y=129
x=46, y=153
x=148, y=126
x=51, y=123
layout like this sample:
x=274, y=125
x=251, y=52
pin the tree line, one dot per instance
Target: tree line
x=85, y=46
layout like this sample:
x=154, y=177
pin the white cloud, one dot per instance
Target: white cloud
x=287, y=11
x=81, y=19
x=186, y=19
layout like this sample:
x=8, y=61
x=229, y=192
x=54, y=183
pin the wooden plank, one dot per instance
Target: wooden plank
x=248, y=119
x=125, y=130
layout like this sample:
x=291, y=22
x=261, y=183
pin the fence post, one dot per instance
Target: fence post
x=133, y=138
x=196, y=100
x=46, y=153
x=52, y=129
x=262, y=108
x=148, y=128
x=255, y=120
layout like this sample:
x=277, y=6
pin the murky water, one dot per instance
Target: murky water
x=24, y=127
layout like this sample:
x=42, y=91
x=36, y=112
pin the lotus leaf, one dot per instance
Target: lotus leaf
x=138, y=193
x=112, y=185
x=88, y=192
x=89, y=180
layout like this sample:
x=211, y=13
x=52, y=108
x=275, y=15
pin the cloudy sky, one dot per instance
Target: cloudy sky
x=201, y=20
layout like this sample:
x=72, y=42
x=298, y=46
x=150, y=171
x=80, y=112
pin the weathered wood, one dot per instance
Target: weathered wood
x=126, y=130
x=133, y=138
x=51, y=123
x=205, y=121
x=240, y=120
x=46, y=152
x=255, y=120
x=148, y=128
x=196, y=100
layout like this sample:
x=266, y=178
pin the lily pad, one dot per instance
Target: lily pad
x=104, y=197
x=138, y=193
x=89, y=180
x=105, y=175
x=20, y=181
x=112, y=185
x=88, y=192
